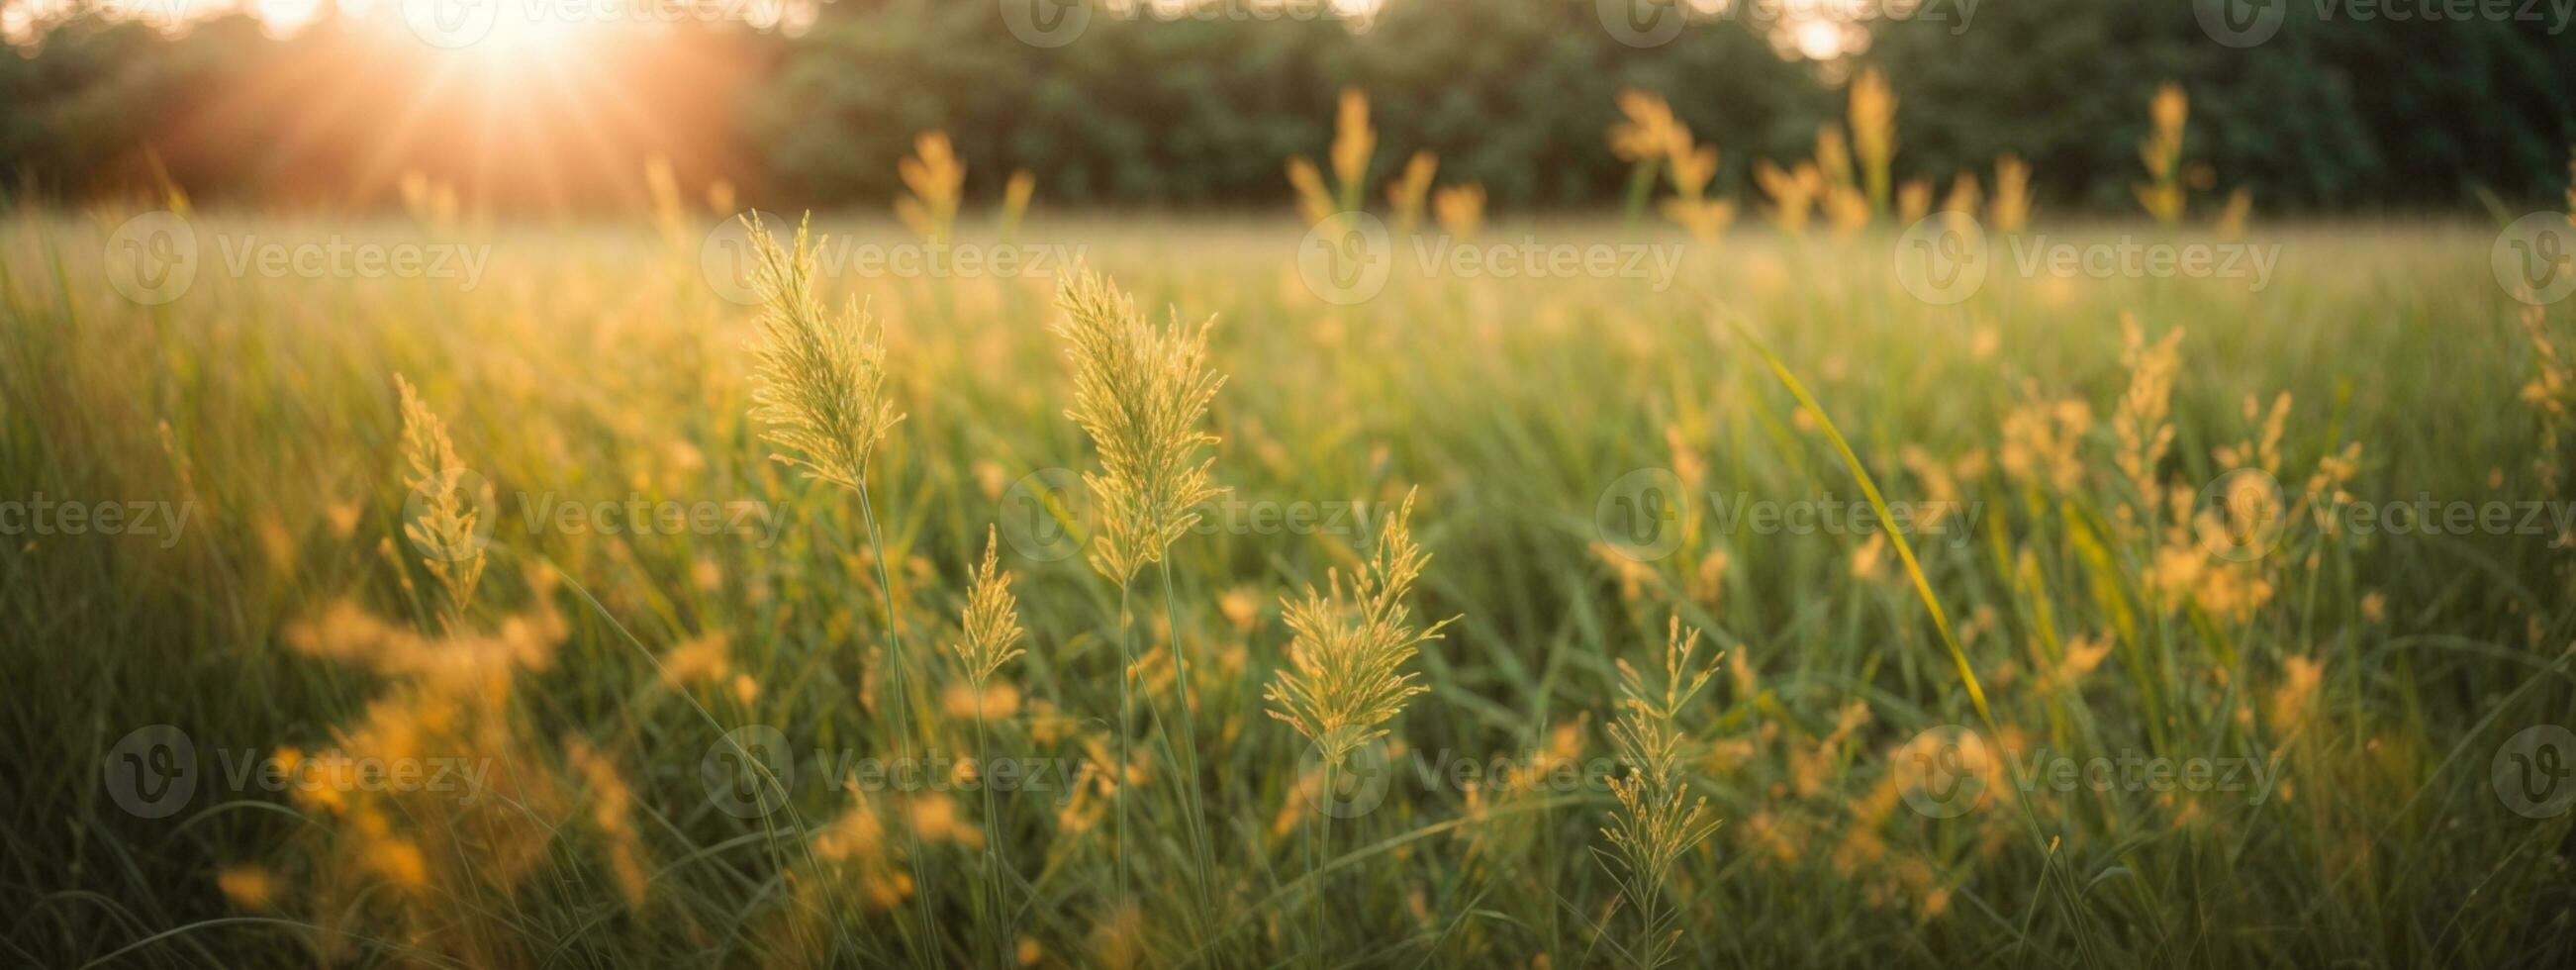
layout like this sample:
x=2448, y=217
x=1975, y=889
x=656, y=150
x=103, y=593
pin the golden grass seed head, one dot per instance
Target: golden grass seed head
x=820, y=378
x=1140, y=392
x=1460, y=209
x=1353, y=142
x=991, y=625
x=445, y=533
x=1349, y=643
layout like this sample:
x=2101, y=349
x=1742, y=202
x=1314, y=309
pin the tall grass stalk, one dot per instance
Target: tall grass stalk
x=990, y=628
x=1140, y=392
x=821, y=390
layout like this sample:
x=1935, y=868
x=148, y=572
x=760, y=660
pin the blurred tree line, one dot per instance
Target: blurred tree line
x=2328, y=115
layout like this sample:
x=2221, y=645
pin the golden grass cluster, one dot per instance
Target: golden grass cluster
x=2096, y=596
x=1345, y=677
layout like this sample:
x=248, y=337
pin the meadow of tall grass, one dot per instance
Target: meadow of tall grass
x=1191, y=609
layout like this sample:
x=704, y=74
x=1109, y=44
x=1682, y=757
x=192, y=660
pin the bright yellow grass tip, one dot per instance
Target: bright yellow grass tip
x=1648, y=131
x=2010, y=210
x=1873, y=131
x=937, y=179
x=1656, y=820
x=820, y=377
x=1353, y=142
x=1408, y=193
x=1460, y=209
x=1140, y=392
x=1349, y=643
x=445, y=531
x=991, y=626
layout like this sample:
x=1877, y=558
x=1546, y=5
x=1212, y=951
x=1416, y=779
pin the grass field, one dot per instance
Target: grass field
x=2315, y=726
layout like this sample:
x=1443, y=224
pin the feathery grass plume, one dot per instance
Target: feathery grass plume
x=431, y=203
x=819, y=386
x=1873, y=132
x=991, y=624
x=1353, y=142
x=1846, y=209
x=1140, y=393
x=2010, y=210
x=670, y=215
x=1314, y=201
x=1793, y=193
x=1409, y=190
x=173, y=196
x=1346, y=653
x=1015, y=202
x=990, y=628
x=2140, y=422
x=2162, y=194
x=1964, y=198
x=612, y=810
x=445, y=534
x=1345, y=676
x=820, y=377
x=1913, y=200
x=1691, y=168
x=2551, y=393
x=936, y=177
x=1656, y=821
x=2231, y=220
x=1643, y=140
x=1460, y=209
